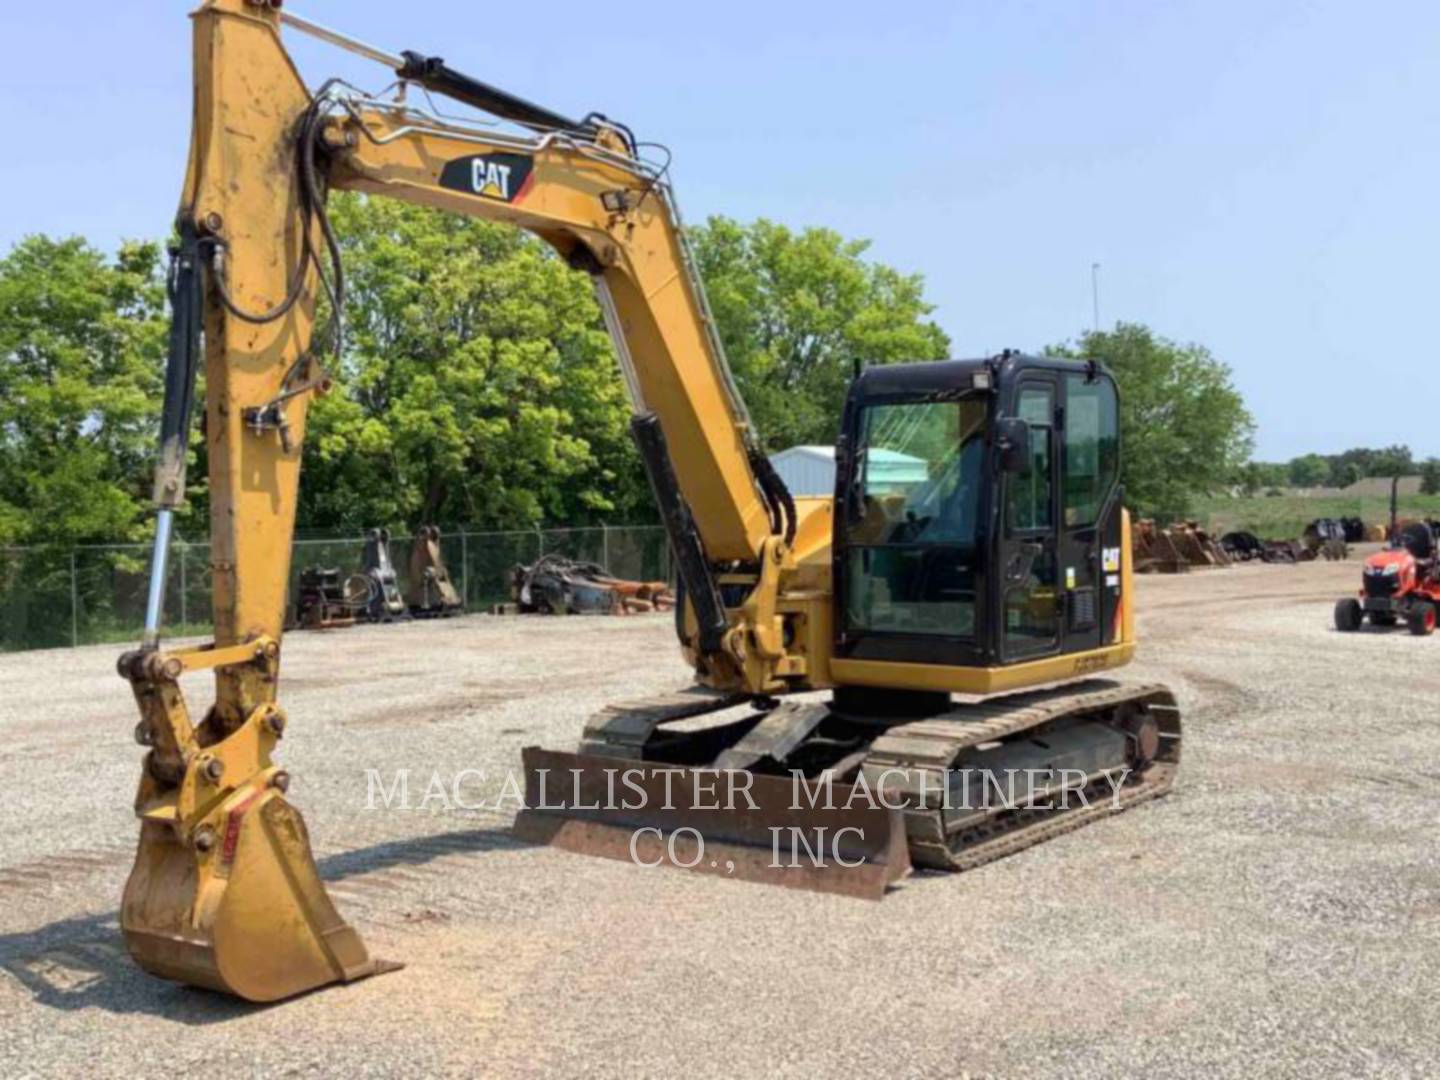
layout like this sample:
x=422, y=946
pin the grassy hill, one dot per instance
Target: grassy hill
x=1285, y=516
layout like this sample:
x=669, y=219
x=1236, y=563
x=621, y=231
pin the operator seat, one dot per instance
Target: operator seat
x=1418, y=539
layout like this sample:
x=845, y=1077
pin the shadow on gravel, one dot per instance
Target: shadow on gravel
x=81, y=963
x=417, y=851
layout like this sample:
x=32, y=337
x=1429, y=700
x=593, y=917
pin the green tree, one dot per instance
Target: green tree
x=1360, y=462
x=1392, y=461
x=1185, y=427
x=1260, y=476
x=1430, y=477
x=1345, y=473
x=82, y=344
x=479, y=384
x=798, y=311
x=1311, y=470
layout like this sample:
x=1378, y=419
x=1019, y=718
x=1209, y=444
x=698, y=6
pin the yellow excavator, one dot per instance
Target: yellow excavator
x=976, y=545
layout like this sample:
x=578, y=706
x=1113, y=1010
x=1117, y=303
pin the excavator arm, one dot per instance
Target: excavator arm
x=225, y=892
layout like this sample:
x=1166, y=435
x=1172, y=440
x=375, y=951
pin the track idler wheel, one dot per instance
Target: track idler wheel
x=1142, y=737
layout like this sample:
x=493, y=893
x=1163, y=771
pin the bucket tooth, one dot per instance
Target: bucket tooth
x=242, y=910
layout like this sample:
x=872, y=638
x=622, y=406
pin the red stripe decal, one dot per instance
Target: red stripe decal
x=233, y=822
x=525, y=187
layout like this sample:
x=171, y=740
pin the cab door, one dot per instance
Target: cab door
x=1090, y=510
x=1028, y=569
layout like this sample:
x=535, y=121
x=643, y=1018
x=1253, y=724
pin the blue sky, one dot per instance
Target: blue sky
x=1258, y=177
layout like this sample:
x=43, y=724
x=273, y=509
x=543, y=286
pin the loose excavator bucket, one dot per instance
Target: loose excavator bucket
x=249, y=916
x=745, y=826
x=429, y=591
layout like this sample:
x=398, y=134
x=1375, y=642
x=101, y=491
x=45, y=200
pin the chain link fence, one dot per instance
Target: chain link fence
x=57, y=598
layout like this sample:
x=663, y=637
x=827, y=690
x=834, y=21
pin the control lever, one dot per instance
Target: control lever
x=1022, y=561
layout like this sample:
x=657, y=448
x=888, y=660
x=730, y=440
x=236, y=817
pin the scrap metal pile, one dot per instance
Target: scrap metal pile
x=1247, y=547
x=556, y=585
x=1329, y=538
x=327, y=601
x=1183, y=546
x=1176, y=549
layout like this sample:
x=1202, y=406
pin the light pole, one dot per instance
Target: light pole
x=1095, y=292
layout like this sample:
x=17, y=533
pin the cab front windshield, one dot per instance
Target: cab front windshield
x=913, y=518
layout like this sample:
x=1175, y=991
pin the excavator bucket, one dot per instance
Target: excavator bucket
x=429, y=590
x=732, y=823
x=1159, y=551
x=224, y=892
x=249, y=916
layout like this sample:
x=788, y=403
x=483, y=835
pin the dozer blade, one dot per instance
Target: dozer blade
x=742, y=825
x=242, y=911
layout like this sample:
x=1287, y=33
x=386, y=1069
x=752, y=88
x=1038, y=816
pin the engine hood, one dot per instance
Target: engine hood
x=1382, y=560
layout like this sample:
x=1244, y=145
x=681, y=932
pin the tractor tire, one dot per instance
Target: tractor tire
x=1379, y=618
x=1422, y=619
x=1348, y=615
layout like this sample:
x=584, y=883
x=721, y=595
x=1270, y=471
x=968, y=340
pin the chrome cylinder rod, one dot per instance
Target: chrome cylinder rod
x=349, y=44
x=616, y=327
x=159, y=566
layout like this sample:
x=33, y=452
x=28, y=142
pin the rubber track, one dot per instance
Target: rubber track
x=929, y=747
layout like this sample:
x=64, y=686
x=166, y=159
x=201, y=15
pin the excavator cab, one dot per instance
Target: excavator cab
x=978, y=519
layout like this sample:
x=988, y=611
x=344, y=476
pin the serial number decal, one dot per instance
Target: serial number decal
x=503, y=177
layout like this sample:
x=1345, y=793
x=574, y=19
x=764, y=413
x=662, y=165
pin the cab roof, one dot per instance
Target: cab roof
x=941, y=376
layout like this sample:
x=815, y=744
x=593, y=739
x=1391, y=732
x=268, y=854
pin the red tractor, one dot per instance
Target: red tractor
x=1400, y=583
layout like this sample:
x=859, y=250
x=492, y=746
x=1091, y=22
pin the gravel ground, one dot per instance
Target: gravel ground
x=1278, y=914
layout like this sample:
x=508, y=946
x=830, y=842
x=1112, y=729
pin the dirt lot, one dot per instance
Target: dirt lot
x=1278, y=913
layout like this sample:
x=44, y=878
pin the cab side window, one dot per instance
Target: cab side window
x=1029, y=491
x=1092, y=448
